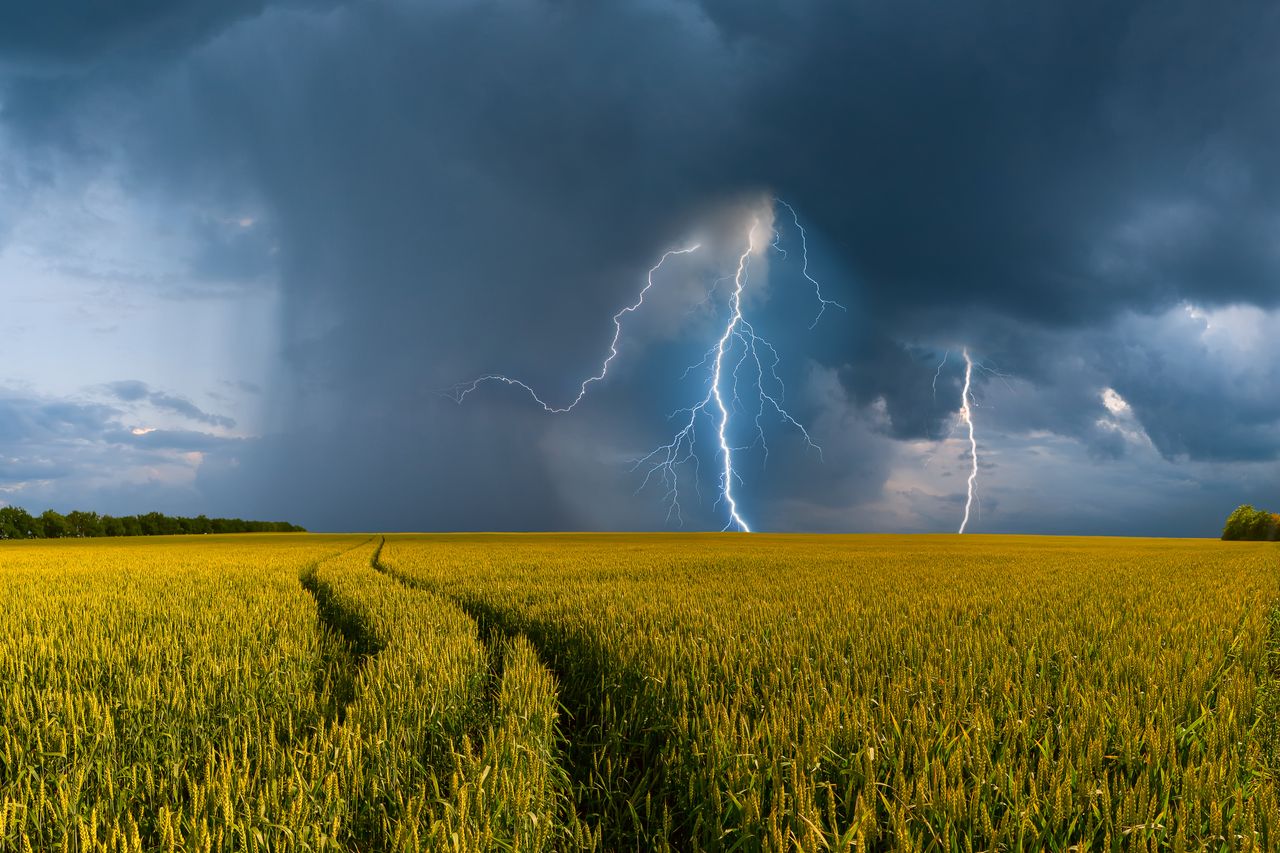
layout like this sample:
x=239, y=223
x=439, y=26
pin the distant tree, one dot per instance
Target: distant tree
x=53, y=525
x=8, y=525
x=1237, y=526
x=1261, y=526
x=17, y=523
x=84, y=524
x=1248, y=522
x=155, y=524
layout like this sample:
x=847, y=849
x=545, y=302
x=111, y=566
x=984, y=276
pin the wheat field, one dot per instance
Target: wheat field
x=639, y=692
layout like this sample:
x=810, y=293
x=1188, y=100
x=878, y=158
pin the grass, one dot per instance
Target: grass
x=639, y=692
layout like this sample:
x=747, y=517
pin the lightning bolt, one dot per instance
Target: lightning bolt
x=460, y=392
x=966, y=414
x=719, y=403
x=945, y=355
x=664, y=459
x=721, y=399
x=804, y=269
x=735, y=318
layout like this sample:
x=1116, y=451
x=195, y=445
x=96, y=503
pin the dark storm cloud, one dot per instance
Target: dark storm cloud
x=232, y=251
x=1054, y=163
x=459, y=188
x=1051, y=162
x=82, y=31
x=466, y=472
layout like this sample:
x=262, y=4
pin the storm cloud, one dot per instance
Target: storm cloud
x=1085, y=195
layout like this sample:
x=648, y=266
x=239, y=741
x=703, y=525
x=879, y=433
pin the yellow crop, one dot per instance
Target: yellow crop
x=638, y=692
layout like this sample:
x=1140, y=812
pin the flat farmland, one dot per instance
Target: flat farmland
x=639, y=692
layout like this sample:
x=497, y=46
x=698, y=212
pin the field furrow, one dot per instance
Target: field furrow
x=616, y=794
x=161, y=697
x=524, y=739
x=454, y=743
x=344, y=647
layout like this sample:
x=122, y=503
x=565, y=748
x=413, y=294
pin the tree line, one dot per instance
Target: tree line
x=17, y=523
x=1249, y=523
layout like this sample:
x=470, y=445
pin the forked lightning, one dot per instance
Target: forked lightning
x=722, y=399
x=461, y=391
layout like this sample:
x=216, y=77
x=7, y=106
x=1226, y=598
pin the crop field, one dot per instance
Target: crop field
x=639, y=692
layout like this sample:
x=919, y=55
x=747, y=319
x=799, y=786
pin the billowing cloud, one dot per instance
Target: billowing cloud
x=135, y=391
x=69, y=453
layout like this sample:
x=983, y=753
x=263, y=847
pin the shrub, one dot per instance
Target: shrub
x=1246, y=522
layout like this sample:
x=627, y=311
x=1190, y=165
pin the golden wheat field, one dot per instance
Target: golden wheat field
x=639, y=692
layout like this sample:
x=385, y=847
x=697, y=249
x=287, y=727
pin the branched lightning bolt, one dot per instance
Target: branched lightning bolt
x=719, y=403
x=460, y=392
x=804, y=254
x=966, y=414
x=720, y=400
x=662, y=460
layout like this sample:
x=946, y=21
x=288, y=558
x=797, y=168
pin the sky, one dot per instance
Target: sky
x=248, y=247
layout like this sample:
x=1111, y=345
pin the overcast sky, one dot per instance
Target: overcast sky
x=245, y=246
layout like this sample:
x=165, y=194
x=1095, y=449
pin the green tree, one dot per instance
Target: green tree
x=81, y=523
x=1260, y=526
x=53, y=525
x=1248, y=522
x=16, y=523
x=1237, y=526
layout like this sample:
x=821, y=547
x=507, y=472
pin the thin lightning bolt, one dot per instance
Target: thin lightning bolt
x=460, y=392
x=804, y=268
x=721, y=399
x=966, y=414
x=945, y=355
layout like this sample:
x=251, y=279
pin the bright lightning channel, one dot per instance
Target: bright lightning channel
x=726, y=452
x=966, y=414
x=663, y=463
